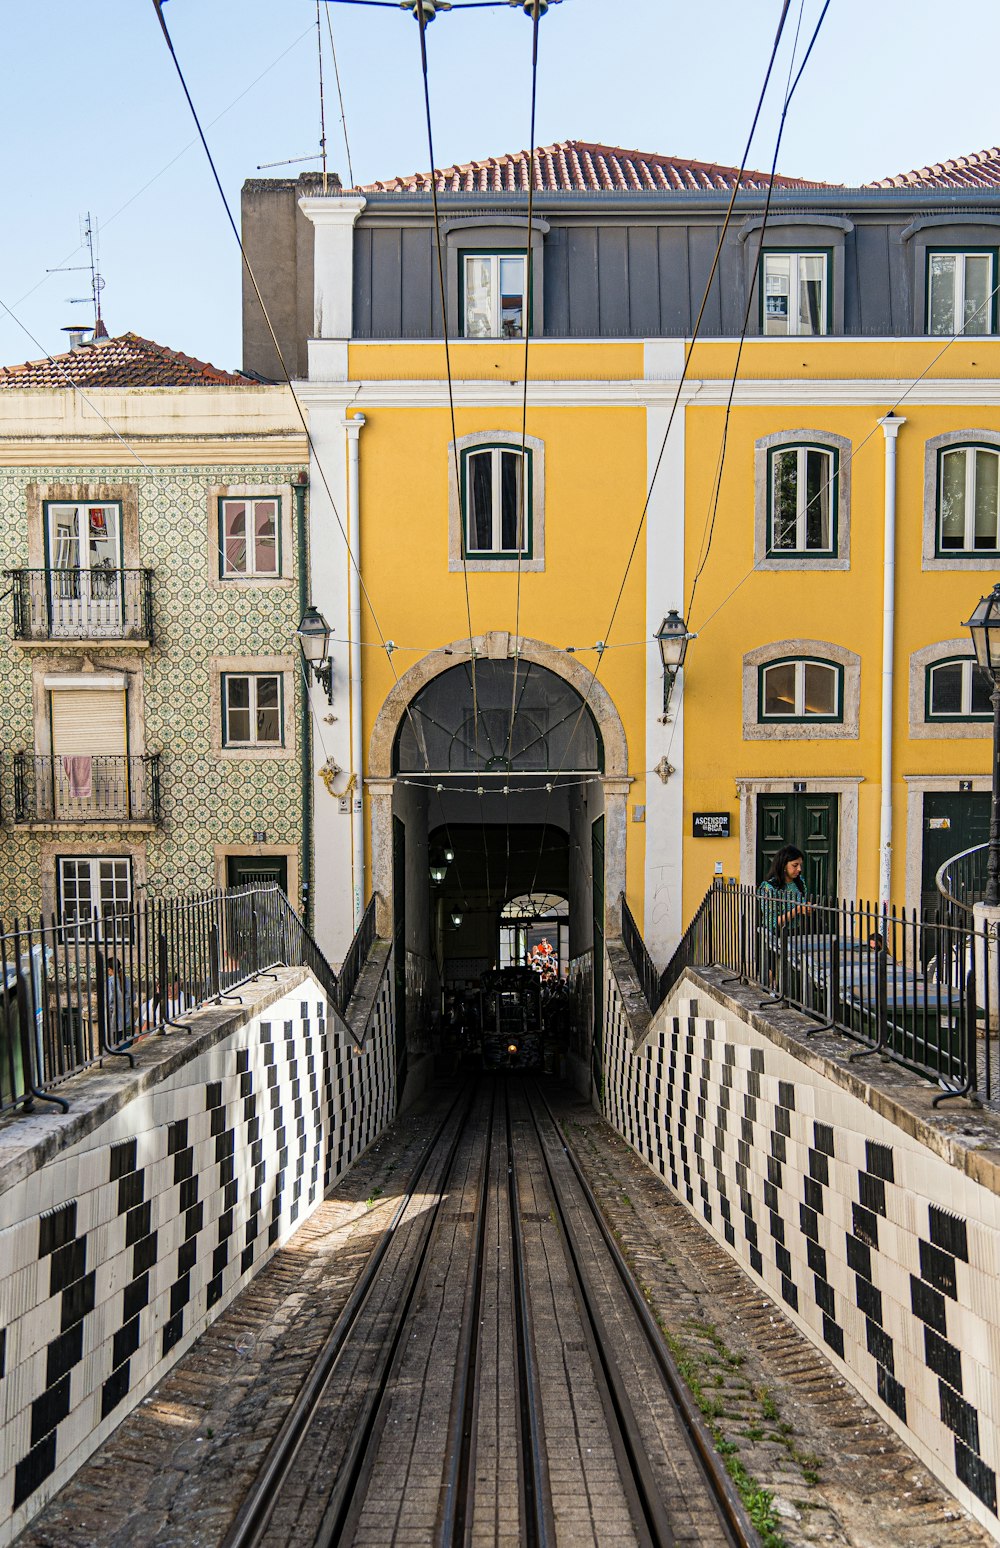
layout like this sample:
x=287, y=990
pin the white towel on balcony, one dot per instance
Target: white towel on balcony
x=79, y=771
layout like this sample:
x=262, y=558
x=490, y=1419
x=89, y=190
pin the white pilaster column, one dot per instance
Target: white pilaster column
x=354, y=427
x=333, y=219
x=890, y=429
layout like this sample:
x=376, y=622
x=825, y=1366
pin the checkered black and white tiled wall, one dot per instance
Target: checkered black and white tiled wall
x=115, y=1257
x=884, y=1253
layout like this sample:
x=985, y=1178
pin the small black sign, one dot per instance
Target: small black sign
x=710, y=824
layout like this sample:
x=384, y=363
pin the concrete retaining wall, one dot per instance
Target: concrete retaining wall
x=129, y=1224
x=868, y=1233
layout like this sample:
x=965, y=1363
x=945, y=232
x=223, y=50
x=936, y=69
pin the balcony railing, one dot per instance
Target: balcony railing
x=81, y=788
x=962, y=880
x=68, y=604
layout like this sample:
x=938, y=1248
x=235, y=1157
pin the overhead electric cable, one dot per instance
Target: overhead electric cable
x=422, y=29
x=340, y=96
x=687, y=358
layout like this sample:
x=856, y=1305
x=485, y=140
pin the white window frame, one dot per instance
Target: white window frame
x=794, y=258
x=252, y=570
x=958, y=312
x=497, y=454
x=800, y=713
x=94, y=862
x=965, y=711
x=970, y=453
x=495, y=259
x=253, y=679
x=801, y=546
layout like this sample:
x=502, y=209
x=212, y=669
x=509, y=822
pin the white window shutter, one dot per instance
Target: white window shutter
x=88, y=721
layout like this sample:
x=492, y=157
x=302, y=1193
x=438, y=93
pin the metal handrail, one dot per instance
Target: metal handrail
x=356, y=956
x=645, y=968
x=74, y=991
x=921, y=992
x=943, y=880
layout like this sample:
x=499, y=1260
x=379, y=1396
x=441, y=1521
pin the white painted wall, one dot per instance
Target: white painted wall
x=665, y=588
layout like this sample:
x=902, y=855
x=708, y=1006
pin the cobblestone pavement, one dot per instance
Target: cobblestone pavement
x=835, y=1473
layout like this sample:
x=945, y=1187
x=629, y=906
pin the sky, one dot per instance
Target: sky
x=96, y=120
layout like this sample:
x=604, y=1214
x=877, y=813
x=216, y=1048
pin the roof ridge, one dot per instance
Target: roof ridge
x=125, y=359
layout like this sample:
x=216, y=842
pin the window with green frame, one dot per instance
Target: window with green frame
x=956, y=689
x=961, y=290
x=968, y=499
x=497, y=500
x=494, y=294
x=802, y=498
x=250, y=538
x=795, y=292
x=798, y=688
x=252, y=709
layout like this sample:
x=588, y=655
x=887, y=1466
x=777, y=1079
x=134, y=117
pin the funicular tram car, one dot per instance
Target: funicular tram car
x=512, y=1019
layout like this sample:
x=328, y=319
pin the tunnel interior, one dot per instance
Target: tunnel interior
x=497, y=839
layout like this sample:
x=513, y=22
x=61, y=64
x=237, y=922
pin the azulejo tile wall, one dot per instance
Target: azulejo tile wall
x=117, y=1254
x=883, y=1253
x=206, y=800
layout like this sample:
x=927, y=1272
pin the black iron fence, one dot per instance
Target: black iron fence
x=925, y=993
x=357, y=956
x=86, y=788
x=74, y=993
x=78, y=604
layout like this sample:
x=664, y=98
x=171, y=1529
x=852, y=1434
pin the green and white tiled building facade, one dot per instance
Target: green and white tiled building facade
x=151, y=692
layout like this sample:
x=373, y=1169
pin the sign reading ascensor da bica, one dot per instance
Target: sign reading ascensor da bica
x=710, y=824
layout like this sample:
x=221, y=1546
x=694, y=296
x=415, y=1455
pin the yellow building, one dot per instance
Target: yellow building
x=495, y=560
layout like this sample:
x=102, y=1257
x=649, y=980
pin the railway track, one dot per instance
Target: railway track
x=496, y=1376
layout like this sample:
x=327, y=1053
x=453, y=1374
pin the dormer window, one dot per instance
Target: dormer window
x=494, y=286
x=960, y=289
x=795, y=293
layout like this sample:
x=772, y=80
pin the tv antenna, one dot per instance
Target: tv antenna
x=88, y=236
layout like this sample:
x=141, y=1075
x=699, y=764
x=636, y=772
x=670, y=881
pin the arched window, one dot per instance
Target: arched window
x=497, y=494
x=957, y=690
x=968, y=500
x=802, y=500
x=801, y=688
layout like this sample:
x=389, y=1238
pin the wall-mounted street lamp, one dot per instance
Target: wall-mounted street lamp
x=672, y=637
x=984, y=626
x=313, y=635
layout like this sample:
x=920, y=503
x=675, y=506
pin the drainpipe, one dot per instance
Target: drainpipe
x=354, y=428
x=300, y=484
x=890, y=429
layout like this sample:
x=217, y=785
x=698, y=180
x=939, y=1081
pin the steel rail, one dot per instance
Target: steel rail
x=460, y=1456
x=350, y=1486
x=732, y=1512
x=251, y=1521
x=646, y=1506
x=536, y=1503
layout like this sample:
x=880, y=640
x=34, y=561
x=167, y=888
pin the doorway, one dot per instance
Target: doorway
x=257, y=871
x=812, y=824
x=953, y=820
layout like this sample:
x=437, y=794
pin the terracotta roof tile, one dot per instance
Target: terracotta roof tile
x=575, y=166
x=979, y=170
x=125, y=361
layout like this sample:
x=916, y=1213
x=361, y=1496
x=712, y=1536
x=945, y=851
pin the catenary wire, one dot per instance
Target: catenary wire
x=710, y=519
x=340, y=95
x=687, y=360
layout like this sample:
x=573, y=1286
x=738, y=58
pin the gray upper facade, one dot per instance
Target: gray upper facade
x=619, y=261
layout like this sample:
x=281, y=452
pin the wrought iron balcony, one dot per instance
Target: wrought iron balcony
x=85, y=789
x=66, y=604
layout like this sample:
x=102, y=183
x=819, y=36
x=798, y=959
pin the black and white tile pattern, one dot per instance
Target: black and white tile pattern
x=116, y=1255
x=883, y=1252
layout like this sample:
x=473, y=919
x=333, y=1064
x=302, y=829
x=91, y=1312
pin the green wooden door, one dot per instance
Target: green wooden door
x=811, y=823
x=953, y=820
x=399, y=942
